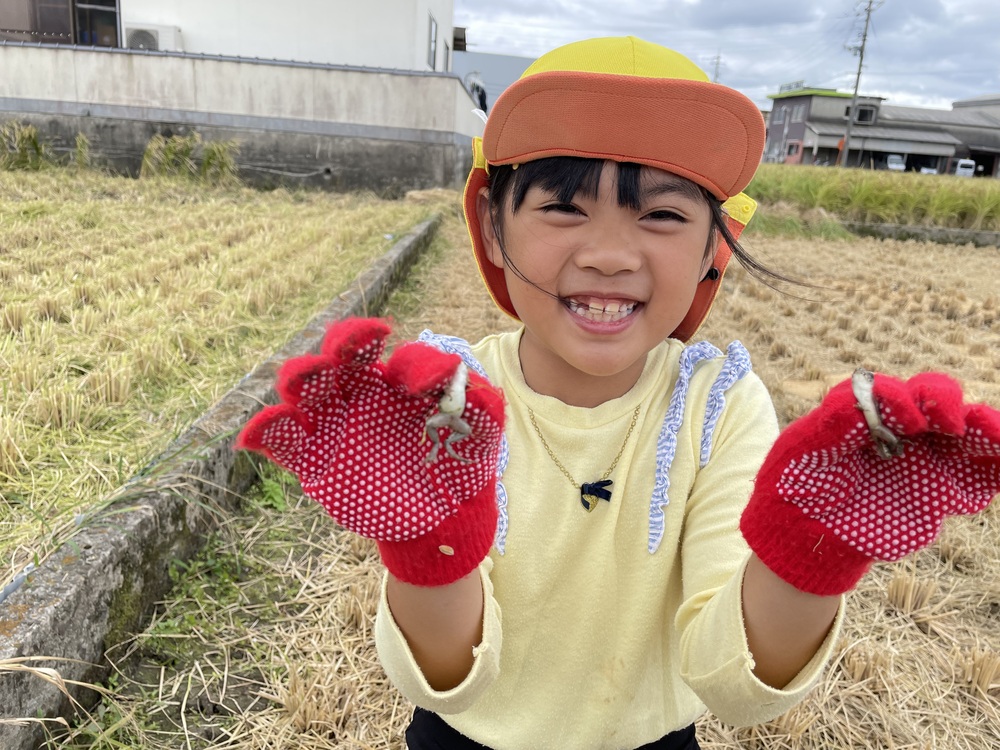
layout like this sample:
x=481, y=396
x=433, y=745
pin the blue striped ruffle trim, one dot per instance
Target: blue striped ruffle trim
x=459, y=346
x=736, y=366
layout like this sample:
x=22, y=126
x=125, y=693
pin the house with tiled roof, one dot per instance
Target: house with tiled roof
x=810, y=126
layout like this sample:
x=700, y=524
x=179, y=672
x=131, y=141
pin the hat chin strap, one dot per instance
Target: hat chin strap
x=704, y=295
x=493, y=277
x=738, y=211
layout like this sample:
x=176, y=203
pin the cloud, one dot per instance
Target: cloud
x=918, y=52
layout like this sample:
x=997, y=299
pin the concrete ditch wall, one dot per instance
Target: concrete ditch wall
x=103, y=583
x=304, y=124
x=943, y=235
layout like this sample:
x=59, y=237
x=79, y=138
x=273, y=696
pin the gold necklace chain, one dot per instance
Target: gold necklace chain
x=590, y=492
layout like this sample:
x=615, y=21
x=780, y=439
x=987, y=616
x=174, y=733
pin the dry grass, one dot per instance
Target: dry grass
x=269, y=643
x=128, y=307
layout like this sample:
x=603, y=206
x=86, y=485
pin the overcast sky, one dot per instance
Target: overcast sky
x=925, y=53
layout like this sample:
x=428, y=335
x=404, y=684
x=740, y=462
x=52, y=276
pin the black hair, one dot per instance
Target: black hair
x=565, y=176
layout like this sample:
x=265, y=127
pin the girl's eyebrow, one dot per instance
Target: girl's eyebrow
x=669, y=186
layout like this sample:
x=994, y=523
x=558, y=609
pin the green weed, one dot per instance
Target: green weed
x=189, y=157
x=775, y=222
x=882, y=197
x=218, y=163
x=81, y=152
x=21, y=148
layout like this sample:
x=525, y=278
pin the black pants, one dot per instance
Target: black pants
x=428, y=731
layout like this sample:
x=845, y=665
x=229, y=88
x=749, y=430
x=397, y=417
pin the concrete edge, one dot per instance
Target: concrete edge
x=103, y=583
x=943, y=235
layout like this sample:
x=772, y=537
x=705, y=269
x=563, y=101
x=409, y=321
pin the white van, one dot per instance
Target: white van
x=962, y=168
x=895, y=163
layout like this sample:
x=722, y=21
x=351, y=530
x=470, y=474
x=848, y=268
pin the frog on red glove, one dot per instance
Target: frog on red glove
x=355, y=432
x=836, y=493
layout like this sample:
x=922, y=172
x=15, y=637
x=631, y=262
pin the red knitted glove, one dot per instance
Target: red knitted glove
x=830, y=498
x=355, y=431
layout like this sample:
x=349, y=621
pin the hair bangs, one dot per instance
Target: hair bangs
x=565, y=176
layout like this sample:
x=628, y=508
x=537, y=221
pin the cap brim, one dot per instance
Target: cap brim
x=708, y=133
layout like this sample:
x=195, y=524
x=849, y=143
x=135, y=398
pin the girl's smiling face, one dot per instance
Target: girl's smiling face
x=601, y=276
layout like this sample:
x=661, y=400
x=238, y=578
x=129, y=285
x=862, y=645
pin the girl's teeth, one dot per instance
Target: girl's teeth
x=605, y=313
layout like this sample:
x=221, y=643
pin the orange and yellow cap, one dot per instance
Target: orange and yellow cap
x=627, y=100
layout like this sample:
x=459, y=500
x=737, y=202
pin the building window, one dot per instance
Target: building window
x=779, y=115
x=47, y=21
x=88, y=22
x=432, y=43
x=799, y=113
x=793, y=149
x=97, y=23
x=866, y=114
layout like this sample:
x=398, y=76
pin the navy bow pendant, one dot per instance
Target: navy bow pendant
x=591, y=492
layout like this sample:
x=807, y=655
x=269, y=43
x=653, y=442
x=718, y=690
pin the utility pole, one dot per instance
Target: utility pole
x=718, y=62
x=845, y=154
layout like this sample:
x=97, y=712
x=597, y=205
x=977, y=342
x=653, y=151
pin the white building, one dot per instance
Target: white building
x=353, y=94
x=404, y=34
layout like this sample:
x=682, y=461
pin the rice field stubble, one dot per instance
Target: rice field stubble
x=269, y=642
x=129, y=306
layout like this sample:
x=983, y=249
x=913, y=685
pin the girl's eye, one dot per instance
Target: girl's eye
x=562, y=208
x=665, y=215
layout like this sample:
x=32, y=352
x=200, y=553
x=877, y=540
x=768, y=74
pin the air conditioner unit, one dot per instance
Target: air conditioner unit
x=153, y=37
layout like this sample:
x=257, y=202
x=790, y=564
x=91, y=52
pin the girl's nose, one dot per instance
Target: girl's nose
x=609, y=251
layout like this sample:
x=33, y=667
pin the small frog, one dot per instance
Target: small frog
x=449, y=414
x=887, y=444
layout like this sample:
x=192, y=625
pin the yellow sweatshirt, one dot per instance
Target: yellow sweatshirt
x=613, y=628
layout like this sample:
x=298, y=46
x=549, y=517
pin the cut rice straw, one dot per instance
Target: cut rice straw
x=270, y=643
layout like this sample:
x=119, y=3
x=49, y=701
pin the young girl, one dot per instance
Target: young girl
x=589, y=538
